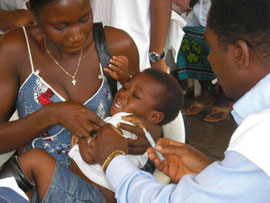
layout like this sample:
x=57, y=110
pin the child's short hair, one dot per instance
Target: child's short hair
x=171, y=100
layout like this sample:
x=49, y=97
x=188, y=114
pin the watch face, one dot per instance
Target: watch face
x=153, y=57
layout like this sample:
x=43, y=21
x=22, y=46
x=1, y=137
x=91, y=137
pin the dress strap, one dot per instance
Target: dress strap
x=29, y=50
x=103, y=53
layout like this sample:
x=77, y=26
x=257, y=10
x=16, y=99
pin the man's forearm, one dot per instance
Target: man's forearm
x=16, y=18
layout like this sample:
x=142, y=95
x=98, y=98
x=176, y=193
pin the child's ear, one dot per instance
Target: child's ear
x=155, y=117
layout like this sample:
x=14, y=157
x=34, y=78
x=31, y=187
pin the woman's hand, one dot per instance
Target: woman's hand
x=77, y=119
x=180, y=159
x=118, y=69
x=140, y=145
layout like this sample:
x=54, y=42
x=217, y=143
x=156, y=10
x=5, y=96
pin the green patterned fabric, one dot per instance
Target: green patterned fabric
x=192, y=57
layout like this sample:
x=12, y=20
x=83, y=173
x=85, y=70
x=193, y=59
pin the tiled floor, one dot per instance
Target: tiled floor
x=210, y=138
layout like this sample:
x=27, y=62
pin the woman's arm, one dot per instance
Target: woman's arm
x=16, y=133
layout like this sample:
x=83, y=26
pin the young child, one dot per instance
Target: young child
x=152, y=94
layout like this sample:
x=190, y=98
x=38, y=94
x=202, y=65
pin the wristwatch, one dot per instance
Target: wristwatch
x=155, y=57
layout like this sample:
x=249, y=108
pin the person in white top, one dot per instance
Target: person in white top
x=147, y=22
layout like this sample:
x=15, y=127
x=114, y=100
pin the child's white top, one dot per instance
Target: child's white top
x=94, y=171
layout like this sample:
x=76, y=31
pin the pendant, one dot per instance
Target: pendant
x=74, y=82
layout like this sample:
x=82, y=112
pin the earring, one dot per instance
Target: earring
x=35, y=21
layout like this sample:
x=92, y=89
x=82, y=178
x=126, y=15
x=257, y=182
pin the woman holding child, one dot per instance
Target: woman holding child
x=56, y=77
x=55, y=80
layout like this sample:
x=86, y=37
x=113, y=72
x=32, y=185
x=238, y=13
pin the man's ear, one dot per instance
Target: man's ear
x=241, y=54
x=155, y=117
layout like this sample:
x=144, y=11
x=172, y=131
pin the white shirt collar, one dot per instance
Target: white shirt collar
x=255, y=100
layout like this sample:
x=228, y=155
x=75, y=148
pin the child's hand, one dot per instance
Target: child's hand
x=74, y=140
x=118, y=69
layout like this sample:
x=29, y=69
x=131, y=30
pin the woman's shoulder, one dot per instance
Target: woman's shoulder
x=12, y=39
x=15, y=38
x=121, y=43
x=118, y=40
x=115, y=35
x=113, y=30
x=13, y=47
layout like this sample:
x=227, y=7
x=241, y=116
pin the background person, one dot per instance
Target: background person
x=146, y=21
x=192, y=62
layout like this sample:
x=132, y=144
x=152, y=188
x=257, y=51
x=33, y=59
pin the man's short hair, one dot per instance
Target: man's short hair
x=171, y=99
x=247, y=20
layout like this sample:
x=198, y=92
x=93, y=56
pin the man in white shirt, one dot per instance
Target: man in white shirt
x=238, y=34
x=13, y=13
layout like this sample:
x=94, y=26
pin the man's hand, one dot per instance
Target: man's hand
x=108, y=139
x=140, y=145
x=180, y=159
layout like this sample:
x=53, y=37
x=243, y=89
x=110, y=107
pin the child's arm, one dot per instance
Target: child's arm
x=118, y=69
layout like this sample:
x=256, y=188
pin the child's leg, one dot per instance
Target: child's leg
x=38, y=165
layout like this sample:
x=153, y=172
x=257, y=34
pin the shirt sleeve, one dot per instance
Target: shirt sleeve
x=234, y=179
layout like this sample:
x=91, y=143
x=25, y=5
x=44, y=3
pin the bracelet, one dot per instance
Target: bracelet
x=110, y=158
